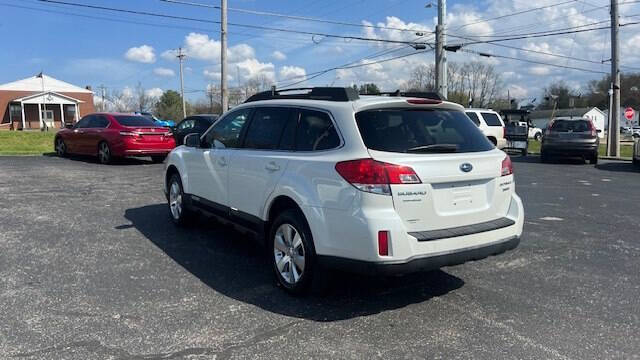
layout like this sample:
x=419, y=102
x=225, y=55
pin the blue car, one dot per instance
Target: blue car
x=160, y=122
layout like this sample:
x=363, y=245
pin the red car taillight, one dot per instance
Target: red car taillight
x=594, y=132
x=129, y=133
x=375, y=176
x=507, y=167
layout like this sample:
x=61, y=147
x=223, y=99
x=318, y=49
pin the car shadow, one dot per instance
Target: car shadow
x=236, y=266
x=94, y=160
x=619, y=167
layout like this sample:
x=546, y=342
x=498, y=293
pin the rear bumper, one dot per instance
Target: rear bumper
x=422, y=263
x=570, y=149
x=145, y=152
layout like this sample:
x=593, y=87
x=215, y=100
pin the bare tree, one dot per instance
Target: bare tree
x=142, y=100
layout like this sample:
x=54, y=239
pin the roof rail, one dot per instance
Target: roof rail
x=415, y=94
x=314, y=93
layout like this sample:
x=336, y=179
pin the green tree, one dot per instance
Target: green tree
x=368, y=89
x=563, y=96
x=169, y=107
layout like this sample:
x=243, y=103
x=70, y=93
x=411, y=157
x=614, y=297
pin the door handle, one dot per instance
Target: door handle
x=272, y=166
x=222, y=161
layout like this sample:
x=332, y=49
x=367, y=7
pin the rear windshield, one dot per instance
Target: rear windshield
x=571, y=126
x=491, y=119
x=420, y=131
x=125, y=120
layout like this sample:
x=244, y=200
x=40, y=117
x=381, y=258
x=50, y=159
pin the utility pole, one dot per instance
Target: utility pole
x=441, y=53
x=613, y=144
x=181, y=56
x=210, y=94
x=223, y=56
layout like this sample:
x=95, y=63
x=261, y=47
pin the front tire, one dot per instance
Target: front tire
x=180, y=215
x=104, y=153
x=293, y=256
x=61, y=147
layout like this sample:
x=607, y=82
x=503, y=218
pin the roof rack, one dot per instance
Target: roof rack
x=314, y=93
x=414, y=94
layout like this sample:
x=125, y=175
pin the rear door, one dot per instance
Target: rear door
x=256, y=167
x=459, y=169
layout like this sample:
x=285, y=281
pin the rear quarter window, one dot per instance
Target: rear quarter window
x=474, y=117
x=491, y=119
x=405, y=130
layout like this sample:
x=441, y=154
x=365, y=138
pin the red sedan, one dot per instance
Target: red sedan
x=115, y=135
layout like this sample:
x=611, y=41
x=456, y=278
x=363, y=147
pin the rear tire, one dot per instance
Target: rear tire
x=104, y=153
x=178, y=211
x=594, y=159
x=524, y=152
x=158, y=158
x=636, y=162
x=544, y=157
x=293, y=256
x=61, y=147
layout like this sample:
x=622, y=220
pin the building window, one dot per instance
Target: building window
x=70, y=113
x=16, y=112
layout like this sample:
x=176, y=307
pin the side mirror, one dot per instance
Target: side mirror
x=218, y=145
x=68, y=126
x=192, y=140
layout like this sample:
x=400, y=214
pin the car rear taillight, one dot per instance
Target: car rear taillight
x=507, y=167
x=594, y=132
x=375, y=176
x=424, y=101
x=383, y=243
x=129, y=133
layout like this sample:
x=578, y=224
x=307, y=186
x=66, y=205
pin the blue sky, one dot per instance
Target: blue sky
x=94, y=47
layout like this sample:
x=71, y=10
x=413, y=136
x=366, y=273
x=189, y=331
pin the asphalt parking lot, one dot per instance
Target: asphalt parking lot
x=91, y=267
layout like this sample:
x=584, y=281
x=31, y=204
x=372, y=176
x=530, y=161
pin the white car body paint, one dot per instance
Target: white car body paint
x=343, y=220
x=495, y=132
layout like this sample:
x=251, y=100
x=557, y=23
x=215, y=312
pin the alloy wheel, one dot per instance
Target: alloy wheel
x=289, y=253
x=175, y=200
x=104, y=153
x=60, y=147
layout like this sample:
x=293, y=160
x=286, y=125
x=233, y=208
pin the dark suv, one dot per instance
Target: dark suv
x=570, y=138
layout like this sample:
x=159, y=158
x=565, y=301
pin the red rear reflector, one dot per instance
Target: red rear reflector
x=424, y=101
x=383, y=243
x=507, y=166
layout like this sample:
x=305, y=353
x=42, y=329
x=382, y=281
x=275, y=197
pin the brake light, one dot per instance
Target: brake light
x=129, y=133
x=594, y=132
x=383, y=243
x=507, y=167
x=375, y=176
x=424, y=101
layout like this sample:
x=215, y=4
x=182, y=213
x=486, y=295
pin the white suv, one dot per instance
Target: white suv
x=374, y=184
x=491, y=125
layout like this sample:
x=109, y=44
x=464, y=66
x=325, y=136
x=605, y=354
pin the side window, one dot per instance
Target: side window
x=84, y=122
x=228, y=129
x=98, y=122
x=491, y=119
x=186, y=124
x=316, y=132
x=288, y=138
x=266, y=128
x=474, y=117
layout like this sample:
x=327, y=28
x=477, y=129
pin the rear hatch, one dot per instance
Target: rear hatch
x=459, y=171
x=576, y=132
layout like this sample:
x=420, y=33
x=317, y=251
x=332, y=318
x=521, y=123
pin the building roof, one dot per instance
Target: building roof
x=34, y=83
x=576, y=112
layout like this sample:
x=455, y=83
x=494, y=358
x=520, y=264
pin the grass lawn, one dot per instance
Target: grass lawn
x=26, y=142
x=625, y=150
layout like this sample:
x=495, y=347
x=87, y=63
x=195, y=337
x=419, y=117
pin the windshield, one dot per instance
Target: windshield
x=131, y=120
x=420, y=131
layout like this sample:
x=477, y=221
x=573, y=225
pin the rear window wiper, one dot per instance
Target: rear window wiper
x=435, y=148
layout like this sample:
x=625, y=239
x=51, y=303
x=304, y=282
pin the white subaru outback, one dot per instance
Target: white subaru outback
x=329, y=179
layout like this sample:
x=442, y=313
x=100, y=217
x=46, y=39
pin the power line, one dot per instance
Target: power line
x=175, y=17
x=515, y=13
x=530, y=61
x=294, y=17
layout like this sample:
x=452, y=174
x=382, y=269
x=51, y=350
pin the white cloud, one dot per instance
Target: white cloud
x=518, y=92
x=154, y=92
x=278, y=55
x=164, y=72
x=201, y=47
x=539, y=70
x=292, y=73
x=252, y=68
x=169, y=55
x=143, y=54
